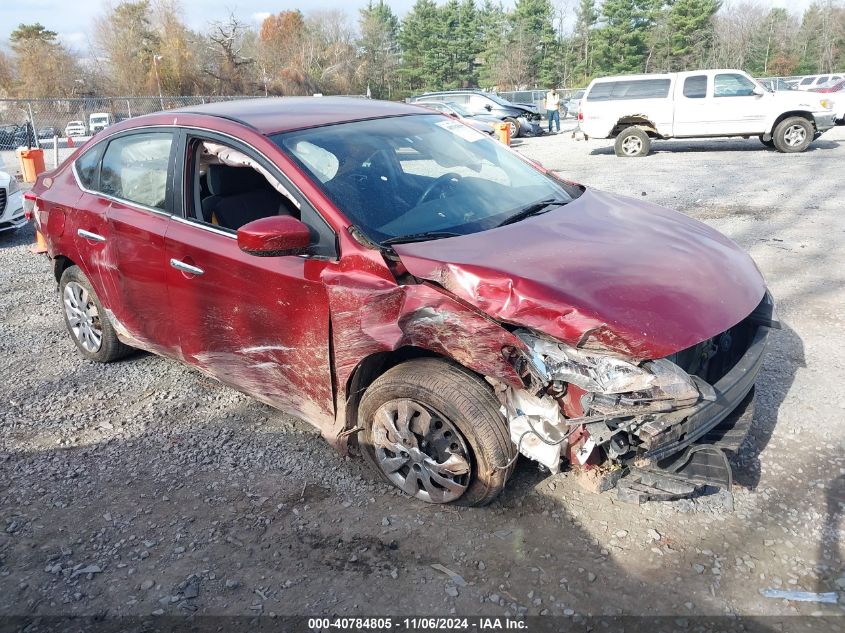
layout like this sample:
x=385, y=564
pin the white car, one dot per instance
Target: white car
x=11, y=203
x=637, y=109
x=817, y=81
x=75, y=128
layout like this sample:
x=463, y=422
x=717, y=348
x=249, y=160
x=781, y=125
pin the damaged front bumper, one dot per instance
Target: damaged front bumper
x=660, y=425
x=670, y=432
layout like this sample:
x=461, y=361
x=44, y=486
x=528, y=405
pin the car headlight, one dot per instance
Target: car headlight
x=615, y=383
x=14, y=186
x=592, y=372
x=827, y=104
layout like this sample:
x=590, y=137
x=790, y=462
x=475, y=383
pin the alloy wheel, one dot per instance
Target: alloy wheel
x=421, y=451
x=794, y=135
x=83, y=316
x=632, y=145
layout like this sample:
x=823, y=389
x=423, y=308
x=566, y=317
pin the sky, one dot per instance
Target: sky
x=73, y=20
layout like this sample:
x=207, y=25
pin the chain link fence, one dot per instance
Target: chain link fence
x=59, y=125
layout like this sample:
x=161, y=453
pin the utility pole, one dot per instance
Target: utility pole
x=156, y=59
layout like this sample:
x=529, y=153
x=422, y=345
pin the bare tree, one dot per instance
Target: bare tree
x=226, y=62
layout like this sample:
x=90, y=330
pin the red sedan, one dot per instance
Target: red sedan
x=836, y=87
x=409, y=285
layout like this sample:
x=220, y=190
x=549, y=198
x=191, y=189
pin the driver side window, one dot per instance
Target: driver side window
x=732, y=85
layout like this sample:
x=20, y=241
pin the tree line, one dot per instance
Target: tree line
x=144, y=47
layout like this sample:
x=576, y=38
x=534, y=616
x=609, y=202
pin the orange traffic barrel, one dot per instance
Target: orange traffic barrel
x=32, y=163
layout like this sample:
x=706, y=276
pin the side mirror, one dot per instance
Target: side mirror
x=759, y=91
x=274, y=236
x=488, y=107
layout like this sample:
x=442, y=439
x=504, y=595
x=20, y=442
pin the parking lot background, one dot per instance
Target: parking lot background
x=187, y=497
x=58, y=112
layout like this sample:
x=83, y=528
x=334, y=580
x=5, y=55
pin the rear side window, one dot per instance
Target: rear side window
x=135, y=168
x=630, y=89
x=88, y=167
x=695, y=87
x=731, y=85
x=822, y=80
x=807, y=81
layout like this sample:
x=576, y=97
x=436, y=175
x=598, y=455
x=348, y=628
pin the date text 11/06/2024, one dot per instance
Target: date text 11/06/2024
x=417, y=624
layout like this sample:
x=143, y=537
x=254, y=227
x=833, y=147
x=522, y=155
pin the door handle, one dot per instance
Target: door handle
x=186, y=268
x=88, y=235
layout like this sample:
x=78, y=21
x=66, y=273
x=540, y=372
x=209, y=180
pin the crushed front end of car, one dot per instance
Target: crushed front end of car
x=657, y=429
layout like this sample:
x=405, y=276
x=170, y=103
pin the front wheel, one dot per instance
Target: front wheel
x=632, y=142
x=793, y=135
x=514, y=126
x=434, y=430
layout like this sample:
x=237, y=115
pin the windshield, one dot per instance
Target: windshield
x=410, y=175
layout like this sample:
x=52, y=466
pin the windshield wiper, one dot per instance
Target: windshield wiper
x=536, y=208
x=420, y=237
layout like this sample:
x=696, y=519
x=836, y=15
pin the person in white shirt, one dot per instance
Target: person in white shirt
x=553, y=109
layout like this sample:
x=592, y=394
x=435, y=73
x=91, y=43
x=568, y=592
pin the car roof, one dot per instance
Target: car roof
x=281, y=114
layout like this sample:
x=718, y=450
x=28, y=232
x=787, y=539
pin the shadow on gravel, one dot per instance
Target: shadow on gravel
x=682, y=147
x=11, y=239
x=830, y=545
x=784, y=356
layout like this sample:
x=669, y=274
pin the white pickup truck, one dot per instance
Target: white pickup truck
x=637, y=109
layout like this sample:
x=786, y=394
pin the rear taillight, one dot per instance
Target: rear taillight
x=580, y=115
x=30, y=206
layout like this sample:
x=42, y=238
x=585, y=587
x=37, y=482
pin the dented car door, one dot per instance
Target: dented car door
x=260, y=324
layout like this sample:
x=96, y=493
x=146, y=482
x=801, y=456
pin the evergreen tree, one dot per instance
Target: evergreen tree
x=469, y=43
x=533, y=29
x=422, y=48
x=583, y=43
x=690, y=24
x=623, y=40
x=492, y=27
x=378, y=48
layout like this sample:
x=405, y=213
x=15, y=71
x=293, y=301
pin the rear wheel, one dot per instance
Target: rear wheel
x=86, y=320
x=793, y=135
x=632, y=142
x=434, y=430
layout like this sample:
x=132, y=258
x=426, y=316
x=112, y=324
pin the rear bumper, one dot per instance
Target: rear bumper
x=682, y=428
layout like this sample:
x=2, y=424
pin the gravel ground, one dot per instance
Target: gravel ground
x=144, y=488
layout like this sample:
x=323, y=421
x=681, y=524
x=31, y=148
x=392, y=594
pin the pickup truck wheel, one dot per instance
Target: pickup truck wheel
x=86, y=320
x=631, y=142
x=514, y=125
x=769, y=143
x=434, y=430
x=793, y=135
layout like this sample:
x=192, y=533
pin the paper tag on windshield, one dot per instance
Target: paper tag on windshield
x=459, y=129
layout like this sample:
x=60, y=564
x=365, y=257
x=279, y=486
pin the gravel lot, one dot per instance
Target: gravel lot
x=144, y=488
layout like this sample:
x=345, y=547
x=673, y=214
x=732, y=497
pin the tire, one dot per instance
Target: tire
x=515, y=127
x=769, y=143
x=793, y=135
x=632, y=142
x=457, y=400
x=95, y=337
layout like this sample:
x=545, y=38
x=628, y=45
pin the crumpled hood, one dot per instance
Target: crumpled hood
x=603, y=271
